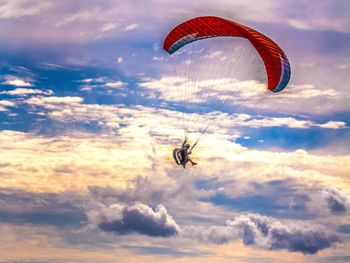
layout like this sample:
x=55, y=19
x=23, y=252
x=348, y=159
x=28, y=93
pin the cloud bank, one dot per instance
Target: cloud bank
x=269, y=233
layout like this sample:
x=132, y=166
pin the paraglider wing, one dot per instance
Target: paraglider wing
x=275, y=61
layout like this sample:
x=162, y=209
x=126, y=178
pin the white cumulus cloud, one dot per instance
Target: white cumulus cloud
x=17, y=82
x=24, y=92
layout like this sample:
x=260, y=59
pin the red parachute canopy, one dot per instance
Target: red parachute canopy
x=276, y=62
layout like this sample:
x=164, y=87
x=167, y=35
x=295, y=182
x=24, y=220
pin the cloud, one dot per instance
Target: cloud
x=250, y=121
x=319, y=24
x=84, y=15
x=160, y=129
x=139, y=218
x=341, y=66
x=269, y=233
x=102, y=82
x=97, y=80
x=73, y=109
x=241, y=94
x=333, y=125
x=51, y=66
x=86, y=88
x=131, y=27
x=214, y=54
x=84, y=22
x=22, y=207
x=25, y=92
x=49, y=102
x=170, y=87
x=294, y=97
x=92, y=145
x=109, y=26
x=155, y=58
x=6, y=103
x=115, y=85
x=251, y=93
x=59, y=159
x=27, y=158
x=307, y=65
x=120, y=60
x=22, y=8
x=310, y=91
x=13, y=81
x=329, y=201
x=156, y=47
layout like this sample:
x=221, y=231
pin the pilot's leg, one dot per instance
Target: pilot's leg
x=185, y=162
x=192, y=162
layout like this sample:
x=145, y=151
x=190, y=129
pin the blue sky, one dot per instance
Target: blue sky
x=90, y=113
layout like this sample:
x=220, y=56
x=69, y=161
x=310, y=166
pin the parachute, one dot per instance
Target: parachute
x=220, y=63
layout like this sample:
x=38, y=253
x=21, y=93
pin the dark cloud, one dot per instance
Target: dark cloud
x=138, y=218
x=295, y=200
x=259, y=197
x=269, y=233
x=337, y=202
x=344, y=229
x=329, y=201
x=21, y=207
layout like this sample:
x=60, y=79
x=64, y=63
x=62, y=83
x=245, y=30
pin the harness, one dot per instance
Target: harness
x=179, y=156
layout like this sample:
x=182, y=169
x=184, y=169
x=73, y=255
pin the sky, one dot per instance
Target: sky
x=90, y=113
